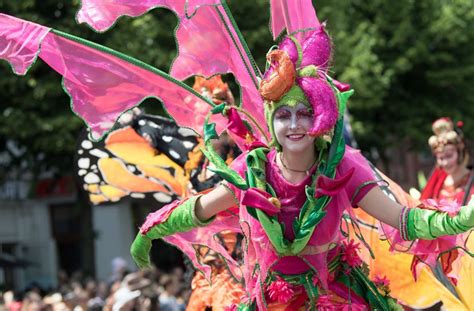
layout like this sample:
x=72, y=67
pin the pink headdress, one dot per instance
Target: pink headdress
x=297, y=74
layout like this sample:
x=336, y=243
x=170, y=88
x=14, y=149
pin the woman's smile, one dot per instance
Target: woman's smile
x=295, y=137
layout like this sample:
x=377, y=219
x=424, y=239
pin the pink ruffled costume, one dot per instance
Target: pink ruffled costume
x=260, y=258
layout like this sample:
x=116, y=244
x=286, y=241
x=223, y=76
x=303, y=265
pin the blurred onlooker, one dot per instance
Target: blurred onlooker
x=168, y=299
x=150, y=290
x=125, y=299
x=119, y=269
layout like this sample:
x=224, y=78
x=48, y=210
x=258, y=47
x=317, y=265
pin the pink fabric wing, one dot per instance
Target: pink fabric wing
x=102, y=14
x=206, y=236
x=207, y=46
x=103, y=83
x=20, y=42
x=292, y=15
x=207, y=41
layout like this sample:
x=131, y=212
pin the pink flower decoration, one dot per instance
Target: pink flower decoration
x=324, y=302
x=238, y=127
x=448, y=206
x=280, y=291
x=331, y=186
x=316, y=281
x=260, y=199
x=341, y=86
x=350, y=255
x=354, y=307
x=159, y=216
x=381, y=281
x=255, y=144
x=232, y=307
x=235, y=124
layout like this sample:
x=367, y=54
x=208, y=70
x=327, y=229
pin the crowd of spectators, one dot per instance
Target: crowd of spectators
x=142, y=290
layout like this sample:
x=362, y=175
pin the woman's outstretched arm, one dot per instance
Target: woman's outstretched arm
x=417, y=223
x=378, y=205
x=211, y=203
x=179, y=216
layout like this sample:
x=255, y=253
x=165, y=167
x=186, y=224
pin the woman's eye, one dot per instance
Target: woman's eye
x=304, y=114
x=282, y=115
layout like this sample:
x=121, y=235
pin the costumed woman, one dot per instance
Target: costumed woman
x=447, y=280
x=291, y=197
x=452, y=181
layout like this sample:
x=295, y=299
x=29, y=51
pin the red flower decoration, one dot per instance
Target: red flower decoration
x=316, y=281
x=350, y=255
x=324, y=302
x=235, y=124
x=280, y=291
x=341, y=86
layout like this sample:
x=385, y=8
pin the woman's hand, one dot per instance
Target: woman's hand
x=179, y=216
x=140, y=251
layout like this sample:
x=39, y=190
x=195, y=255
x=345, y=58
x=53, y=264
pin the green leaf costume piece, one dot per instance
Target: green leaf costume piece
x=429, y=224
x=312, y=211
x=181, y=219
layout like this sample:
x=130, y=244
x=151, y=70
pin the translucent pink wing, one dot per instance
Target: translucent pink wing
x=208, y=40
x=207, y=46
x=21, y=54
x=292, y=15
x=102, y=14
x=206, y=236
x=102, y=83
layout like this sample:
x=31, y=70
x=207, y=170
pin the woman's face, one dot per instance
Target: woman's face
x=448, y=159
x=291, y=126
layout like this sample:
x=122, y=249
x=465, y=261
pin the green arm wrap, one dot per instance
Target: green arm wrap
x=181, y=219
x=428, y=224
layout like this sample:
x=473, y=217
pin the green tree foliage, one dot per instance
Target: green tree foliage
x=409, y=62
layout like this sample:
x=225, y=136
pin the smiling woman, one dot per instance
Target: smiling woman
x=291, y=126
x=291, y=196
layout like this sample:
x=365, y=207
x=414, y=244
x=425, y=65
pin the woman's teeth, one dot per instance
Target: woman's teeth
x=295, y=136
